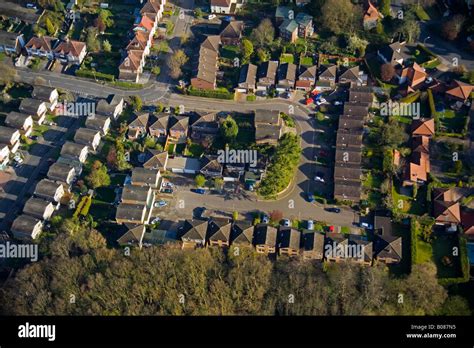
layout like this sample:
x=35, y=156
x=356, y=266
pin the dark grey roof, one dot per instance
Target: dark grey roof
x=219, y=229
x=30, y=105
x=289, y=238
x=143, y=175
x=72, y=149
x=309, y=72
x=131, y=212
x=47, y=188
x=248, y=75
x=387, y=246
x=59, y=171
x=194, y=230
x=16, y=119
x=35, y=206
x=267, y=116
x=6, y=134
x=162, y=120
x=242, y=232
x=133, y=235
x=135, y=193
x=24, y=224
x=267, y=70
x=328, y=71
x=287, y=71
x=313, y=242
x=265, y=234
x=42, y=92
x=85, y=136
x=97, y=122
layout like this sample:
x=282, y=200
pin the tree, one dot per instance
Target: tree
x=200, y=180
x=264, y=34
x=235, y=215
x=385, y=7
x=7, y=74
x=198, y=13
x=341, y=16
x=98, y=176
x=149, y=142
x=49, y=27
x=393, y=134
x=263, y=55
x=218, y=183
x=387, y=72
x=276, y=215
x=247, y=50
x=100, y=25
x=451, y=28
x=136, y=102
x=91, y=39
x=409, y=27
x=175, y=61
x=159, y=107
x=229, y=129
x=357, y=45
x=106, y=46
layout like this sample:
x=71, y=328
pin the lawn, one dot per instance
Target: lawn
x=101, y=211
x=306, y=61
x=452, y=121
x=103, y=62
x=424, y=251
x=287, y=58
x=443, y=251
x=406, y=204
x=194, y=150
x=105, y=195
x=230, y=52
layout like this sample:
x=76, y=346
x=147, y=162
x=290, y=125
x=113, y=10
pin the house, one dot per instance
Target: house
x=49, y=95
x=347, y=190
x=159, y=128
x=49, y=190
x=306, y=79
x=347, y=171
x=140, y=42
x=131, y=214
x=138, y=127
x=4, y=155
x=26, y=227
x=388, y=249
x=413, y=75
x=459, y=91
x=467, y=222
x=352, y=77
x=338, y=248
x=10, y=137
x=98, y=122
x=211, y=167
x=71, y=51
x=417, y=169
x=266, y=74
x=35, y=108
x=289, y=30
x=242, y=233
x=22, y=122
x=219, y=232
x=226, y=6
x=394, y=54
x=62, y=173
x=265, y=239
x=361, y=95
x=286, y=77
x=231, y=32
x=205, y=128
x=111, y=107
x=327, y=74
x=11, y=42
x=313, y=246
x=289, y=240
x=446, y=212
x=193, y=233
x=420, y=144
x=75, y=151
x=145, y=177
x=247, y=79
x=305, y=24
x=132, y=194
x=268, y=126
x=133, y=236
x=153, y=9
x=89, y=137
x=282, y=13
x=178, y=130
x=132, y=65
x=205, y=65
x=39, y=208
x=357, y=111
x=41, y=46
x=155, y=159
x=371, y=16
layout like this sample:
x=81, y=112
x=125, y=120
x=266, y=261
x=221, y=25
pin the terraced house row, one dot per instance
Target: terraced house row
x=141, y=40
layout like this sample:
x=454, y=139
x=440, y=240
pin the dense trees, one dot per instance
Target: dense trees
x=264, y=34
x=98, y=175
x=452, y=27
x=81, y=276
x=387, y=72
x=341, y=16
x=175, y=62
x=229, y=129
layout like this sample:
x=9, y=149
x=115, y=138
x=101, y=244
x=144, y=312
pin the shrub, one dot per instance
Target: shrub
x=217, y=93
x=94, y=75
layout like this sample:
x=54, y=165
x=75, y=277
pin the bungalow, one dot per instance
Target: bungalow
x=89, y=137
x=49, y=95
x=131, y=214
x=307, y=79
x=313, y=246
x=133, y=235
x=111, y=107
x=75, y=151
x=35, y=108
x=231, y=32
x=22, y=122
x=265, y=239
x=289, y=30
x=205, y=66
x=286, y=77
x=159, y=128
x=155, y=159
x=98, y=122
x=138, y=127
x=459, y=91
x=394, y=54
x=423, y=127
x=371, y=16
x=132, y=194
x=242, y=233
x=41, y=46
x=289, y=240
x=247, y=79
x=11, y=43
x=211, y=167
x=26, y=227
x=178, y=131
x=268, y=126
x=62, y=173
x=49, y=190
x=219, y=231
x=4, y=155
x=205, y=128
x=417, y=168
x=145, y=177
x=71, y=51
x=39, y=208
x=193, y=233
x=267, y=75
x=10, y=137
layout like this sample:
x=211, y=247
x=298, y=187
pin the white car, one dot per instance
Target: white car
x=428, y=80
x=286, y=223
x=321, y=101
x=337, y=102
x=211, y=16
x=310, y=225
x=318, y=178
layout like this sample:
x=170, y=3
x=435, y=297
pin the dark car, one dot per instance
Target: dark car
x=311, y=198
x=201, y=191
x=333, y=210
x=167, y=190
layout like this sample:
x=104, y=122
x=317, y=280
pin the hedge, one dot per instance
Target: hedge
x=94, y=75
x=213, y=93
x=463, y=254
x=83, y=206
x=126, y=84
x=411, y=98
x=427, y=50
x=414, y=240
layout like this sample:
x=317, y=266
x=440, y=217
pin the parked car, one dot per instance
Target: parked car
x=211, y=16
x=318, y=178
x=333, y=210
x=286, y=222
x=265, y=219
x=160, y=204
x=167, y=110
x=428, y=80
x=311, y=198
x=366, y=225
x=337, y=103
x=156, y=220
x=167, y=190
x=200, y=191
x=310, y=225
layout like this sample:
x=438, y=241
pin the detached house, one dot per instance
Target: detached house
x=459, y=91
x=446, y=207
x=307, y=79
x=326, y=77
x=393, y=54
x=22, y=122
x=413, y=76
x=247, y=79
x=387, y=247
x=89, y=137
x=75, y=151
x=26, y=227
x=353, y=77
x=71, y=51
x=11, y=43
x=178, y=130
x=266, y=74
x=155, y=159
x=211, y=167
x=98, y=122
x=132, y=66
x=41, y=46
x=265, y=239
x=133, y=235
x=205, y=128
x=231, y=32
x=35, y=108
x=49, y=190
x=138, y=127
x=10, y=137
x=39, y=208
x=219, y=232
x=193, y=233
x=423, y=127
x=46, y=94
x=289, y=30
x=313, y=246
x=268, y=126
x=371, y=16
x=305, y=24
x=286, y=77
x=62, y=173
